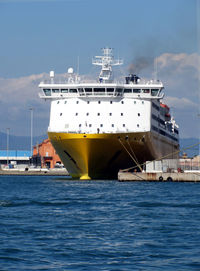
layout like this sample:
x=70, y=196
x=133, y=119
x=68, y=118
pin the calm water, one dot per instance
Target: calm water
x=50, y=223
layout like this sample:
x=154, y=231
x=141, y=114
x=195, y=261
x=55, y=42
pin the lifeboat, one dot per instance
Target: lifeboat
x=167, y=116
x=164, y=106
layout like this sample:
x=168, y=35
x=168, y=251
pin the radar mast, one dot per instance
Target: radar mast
x=106, y=61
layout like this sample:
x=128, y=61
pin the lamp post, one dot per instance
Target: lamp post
x=8, y=130
x=31, y=110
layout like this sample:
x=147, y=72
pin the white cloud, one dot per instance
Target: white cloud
x=179, y=62
x=181, y=103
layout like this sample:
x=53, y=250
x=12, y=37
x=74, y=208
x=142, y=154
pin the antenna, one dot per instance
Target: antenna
x=155, y=68
x=78, y=65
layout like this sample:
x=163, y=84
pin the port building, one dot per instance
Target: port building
x=45, y=156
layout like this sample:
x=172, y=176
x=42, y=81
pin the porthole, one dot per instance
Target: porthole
x=122, y=114
x=138, y=114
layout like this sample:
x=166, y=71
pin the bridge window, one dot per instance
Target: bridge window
x=64, y=90
x=47, y=92
x=88, y=89
x=127, y=90
x=119, y=90
x=73, y=90
x=136, y=90
x=110, y=89
x=154, y=92
x=55, y=90
x=99, y=89
x=145, y=90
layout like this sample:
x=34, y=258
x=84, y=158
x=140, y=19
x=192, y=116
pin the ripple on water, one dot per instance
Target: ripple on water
x=51, y=224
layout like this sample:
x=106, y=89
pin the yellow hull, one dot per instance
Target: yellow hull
x=101, y=156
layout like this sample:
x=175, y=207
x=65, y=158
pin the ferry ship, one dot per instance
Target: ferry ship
x=100, y=127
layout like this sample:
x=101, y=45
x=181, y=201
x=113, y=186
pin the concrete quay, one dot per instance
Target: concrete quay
x=159, y=176
x=13, y=172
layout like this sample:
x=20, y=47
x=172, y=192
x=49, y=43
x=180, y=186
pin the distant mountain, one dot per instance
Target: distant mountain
x=19, y=142
x=24, y=143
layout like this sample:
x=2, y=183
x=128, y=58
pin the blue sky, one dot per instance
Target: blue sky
x=40, y=35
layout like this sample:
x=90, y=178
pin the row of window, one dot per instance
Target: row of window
x=158, y=119
x=98, y=114
x=98, y=102
x=164, y=133
x=48, y=91
x=112, y=125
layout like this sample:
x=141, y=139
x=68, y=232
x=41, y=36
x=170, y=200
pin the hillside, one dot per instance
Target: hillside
x=19, y=142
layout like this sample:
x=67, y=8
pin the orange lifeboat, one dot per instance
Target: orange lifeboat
x=164, y=106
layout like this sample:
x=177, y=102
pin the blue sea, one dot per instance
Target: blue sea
x=52, y=223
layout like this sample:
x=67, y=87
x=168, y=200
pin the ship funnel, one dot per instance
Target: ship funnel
x=132, y=78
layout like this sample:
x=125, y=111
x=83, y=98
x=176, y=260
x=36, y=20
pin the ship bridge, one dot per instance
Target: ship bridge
x=151, y=90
